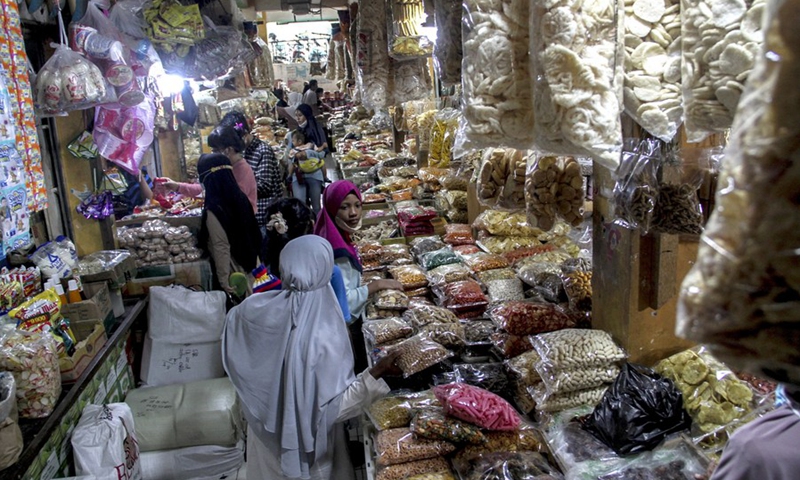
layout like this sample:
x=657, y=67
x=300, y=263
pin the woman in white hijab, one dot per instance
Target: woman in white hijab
x=288, y=354
x=287, y=113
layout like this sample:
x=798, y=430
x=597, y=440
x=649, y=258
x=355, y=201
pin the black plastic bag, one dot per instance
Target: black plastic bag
x=638, y=411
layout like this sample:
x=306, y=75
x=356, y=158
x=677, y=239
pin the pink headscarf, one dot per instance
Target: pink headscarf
x=332, y=199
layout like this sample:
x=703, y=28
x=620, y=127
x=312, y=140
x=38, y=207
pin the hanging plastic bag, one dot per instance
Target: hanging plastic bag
x=716, y=65
x=372, y=56
x=123, y=134
x=677, y=209
x=405, y=37
x=442, y=136
x=501, y=181
x=639, y=410
x=577, y=54
x=636, y=186
x=553, y=190
x=652, y=94
x=447, y=51
x=741, y=295
x=69, y=82
x=496, y=66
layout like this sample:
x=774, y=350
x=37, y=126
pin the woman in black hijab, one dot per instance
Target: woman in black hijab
x=229, y=231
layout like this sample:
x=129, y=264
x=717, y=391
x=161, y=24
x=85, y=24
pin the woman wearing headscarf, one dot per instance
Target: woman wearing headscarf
x=308, y=184
x=289, y=218
x=296, y=393
x=338, y=220
x=229, y=232
x=226, y=141
x=287, y=113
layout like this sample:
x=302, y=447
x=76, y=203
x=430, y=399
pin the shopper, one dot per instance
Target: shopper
x=281, y=96
x=229, y=232
x=766, y=448
x=261, y=158
x=287, y=114
x=297, y=391
x=289, y=218
x=226, y=141
x=308, y=185
x=310, y=96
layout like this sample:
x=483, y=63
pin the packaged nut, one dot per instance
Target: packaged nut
x=396, y=255
x=424, y=245
x=501, y=245
x=527, y=318
x=564, y=381
x=576, y=348
x=677, y=210
x=367, y=277
x=523, y=367
x=385, y=330
x=425, y=314
x=390, y=300
x=523, y=464
x=636, y=184
x=397, y=409
x=417, y=293
x=434, y=425
x=578, y=286
x=369, y=249
x=478, y=331
x=496, y=274
x=503, y=290
x=437, y=258
x=418, y=353
x=433, y=476
x=547, y=402
x=480, y=262
x=501, y=442
x=400, y=445
x=403, y=471
x=462, y=295
x=447, y=334
x=511, y=346
x=411, y=276
x=518, y=254
x=466, y=249
x=448, y=274
x=458, y=234
x=374, y=313
x=554, y=189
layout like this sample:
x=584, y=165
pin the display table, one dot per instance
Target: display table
x=108, y=378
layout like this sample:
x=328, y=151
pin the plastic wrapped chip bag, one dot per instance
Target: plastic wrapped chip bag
x=712, y=394
x=33, y=360
x=400, y=445
x=398, y=409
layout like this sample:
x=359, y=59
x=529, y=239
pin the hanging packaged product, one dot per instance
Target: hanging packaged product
x=636, y=185
x=498, y=95
x=501, y=181
x=372, y=56
x=553, y=190
x=652, y=92
x=405, y=39
x=577, y=54
x=171, y=25
x=123, y=134
x=70, y=82
x=721, y=41
x=443, y=134
x=409, y=80
x=741, y=296
x=677, y=208
x=447, y=51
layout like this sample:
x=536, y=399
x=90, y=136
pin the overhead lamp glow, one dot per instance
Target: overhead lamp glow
x=169, y=84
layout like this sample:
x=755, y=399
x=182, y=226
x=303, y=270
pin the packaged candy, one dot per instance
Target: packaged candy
x=477, y=406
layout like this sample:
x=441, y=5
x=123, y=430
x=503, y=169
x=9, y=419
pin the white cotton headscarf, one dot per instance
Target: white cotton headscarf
x=294, y=100
x=288, y=354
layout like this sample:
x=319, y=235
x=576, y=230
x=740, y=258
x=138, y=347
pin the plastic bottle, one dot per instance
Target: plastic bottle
x=74, y=295
x=61, y=295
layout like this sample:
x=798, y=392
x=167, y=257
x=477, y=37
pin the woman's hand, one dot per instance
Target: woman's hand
x=167, y=183
x=386, y=366
x=384, y=284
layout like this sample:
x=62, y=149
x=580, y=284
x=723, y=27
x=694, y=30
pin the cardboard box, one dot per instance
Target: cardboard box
x=86, y=349
x=168, y=363
x=84, y=315
x=189, y=274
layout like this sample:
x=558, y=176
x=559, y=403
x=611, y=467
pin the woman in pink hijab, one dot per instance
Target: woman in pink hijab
x=339, y=218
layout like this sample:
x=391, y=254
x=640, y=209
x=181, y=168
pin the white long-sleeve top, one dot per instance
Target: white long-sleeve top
x=357, y=294
x=263, y=460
